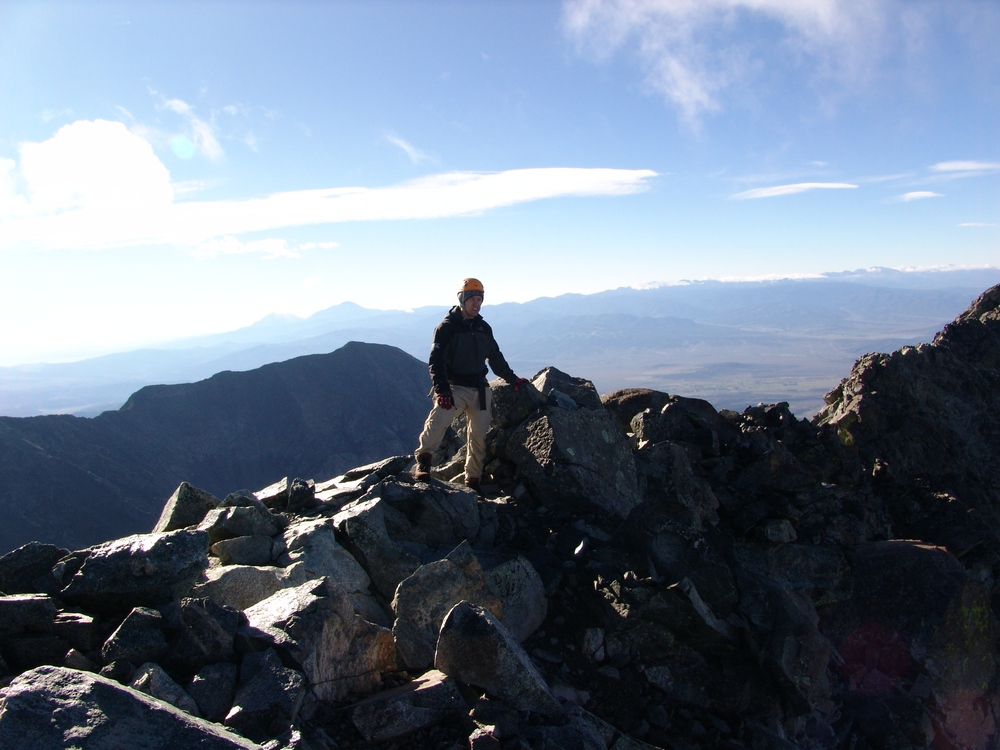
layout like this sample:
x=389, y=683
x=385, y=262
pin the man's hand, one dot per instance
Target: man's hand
x=519, y=383
x=446, y=401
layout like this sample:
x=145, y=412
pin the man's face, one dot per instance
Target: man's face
x=471, y=307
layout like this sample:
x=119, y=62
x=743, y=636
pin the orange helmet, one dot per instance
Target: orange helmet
x=470, y=288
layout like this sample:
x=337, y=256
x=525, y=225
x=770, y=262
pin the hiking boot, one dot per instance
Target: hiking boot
x=422, y=471
x=473, y=484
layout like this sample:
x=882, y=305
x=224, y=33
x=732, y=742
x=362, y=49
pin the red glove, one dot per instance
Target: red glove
x=446, y=401
x=518, y=383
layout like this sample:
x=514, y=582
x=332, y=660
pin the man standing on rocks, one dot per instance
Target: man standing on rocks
x=463, y=344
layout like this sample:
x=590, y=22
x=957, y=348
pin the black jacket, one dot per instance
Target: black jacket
x=460, y=351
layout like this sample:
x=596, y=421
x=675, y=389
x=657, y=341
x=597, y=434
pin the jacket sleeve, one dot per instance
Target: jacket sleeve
x=438, y=364
x=496, y=359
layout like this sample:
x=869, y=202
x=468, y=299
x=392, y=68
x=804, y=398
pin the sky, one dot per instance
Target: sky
x=170, y=169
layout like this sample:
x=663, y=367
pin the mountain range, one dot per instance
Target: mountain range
x=77, y=481
x=732, y=343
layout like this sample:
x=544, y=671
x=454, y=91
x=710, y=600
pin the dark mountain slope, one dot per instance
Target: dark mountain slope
x=77, y=481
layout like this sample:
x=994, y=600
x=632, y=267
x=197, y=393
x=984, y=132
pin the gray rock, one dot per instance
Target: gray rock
x=186, y=507
x=22, y=612
x=424, y=599
x=77, y=628
x=314, y=625
x=625, y=403
x=313, y=552
x=27, y=650
x=582, y=392
x=120, y=671
x=152, y=680
x=51, y=708
x=240, y=586
x=75, y=660
x=202, y=632
x=670, y=478
x=363, y=522
x=576, y=458
x=244, y=550
x=522, y=594
x=138, y=571
x=511, y=407
x=393, y=714
x=241, y=520
x=22, y=567
x=138, y=639
x=474, y=648
x=213, y=689
x=268, y=698
x=434, y=514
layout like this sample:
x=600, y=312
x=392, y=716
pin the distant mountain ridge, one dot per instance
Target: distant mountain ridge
x=76, y=480
x=733, y=343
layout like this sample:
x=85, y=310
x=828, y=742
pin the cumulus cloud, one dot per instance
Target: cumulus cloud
x=691, y=51
x=96, y=185
x=799, y=187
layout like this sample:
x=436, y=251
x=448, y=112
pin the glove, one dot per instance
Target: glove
x=519, y=383
x=446, y=401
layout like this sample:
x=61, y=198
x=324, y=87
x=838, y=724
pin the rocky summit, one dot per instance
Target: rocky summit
x=641, y=570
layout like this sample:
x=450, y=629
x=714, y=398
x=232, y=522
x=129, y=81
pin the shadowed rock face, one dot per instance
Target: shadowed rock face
x=679, y=578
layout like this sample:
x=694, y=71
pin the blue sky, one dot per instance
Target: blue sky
x=170, y=169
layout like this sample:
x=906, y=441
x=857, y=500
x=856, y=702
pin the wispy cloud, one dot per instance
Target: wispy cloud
x=916, y=195
x=966, y=166
x=799, y=187
x=416, y=155
x=202, y=132
x=978, y=224
x=692, y=51
x=97, y=185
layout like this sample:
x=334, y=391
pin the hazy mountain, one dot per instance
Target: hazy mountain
x=734, y=343
x=76, y=481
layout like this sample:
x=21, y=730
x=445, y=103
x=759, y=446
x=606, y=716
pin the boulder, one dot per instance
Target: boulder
x=625, y=403
x=213, y=689
x=51, y=708
x=293, y=496
x=435, y=514
x=244, y=550
x=312, y=551
x=517, y=585
x=363, y=523
x=424, y=599
x=137, y=571
x=186, y=507
x=22, y=567
x=474, y=648
x=394, y=714
x=918, y=624
x=268, y=698
x=152, y=680
x=576, y=459
x=582, y=392
x=241, y=586
x=686, y=420
x=242, y=520
x=25, y=612
x=138, y=639
x=314, y=626
x=201, y=632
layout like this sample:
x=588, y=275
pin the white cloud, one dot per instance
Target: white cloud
x=416, y=155
x=966, y=166
x=917, y=195
x=799, y=187
x=691, y=51
x=97, y=185
x=202, y=133
x=977, y=224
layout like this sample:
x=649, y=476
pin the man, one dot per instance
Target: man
x=463, y=343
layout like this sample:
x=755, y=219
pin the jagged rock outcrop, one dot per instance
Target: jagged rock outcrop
x=677, y=577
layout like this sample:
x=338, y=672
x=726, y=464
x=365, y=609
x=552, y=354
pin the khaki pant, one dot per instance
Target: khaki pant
x=438, y=421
